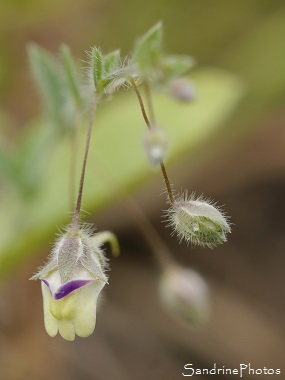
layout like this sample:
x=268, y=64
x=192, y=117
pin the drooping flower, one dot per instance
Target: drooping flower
x=185, y=294
x=71, y=283
x=198, y=221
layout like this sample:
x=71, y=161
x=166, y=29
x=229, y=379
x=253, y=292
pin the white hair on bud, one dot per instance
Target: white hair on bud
x=198, y=221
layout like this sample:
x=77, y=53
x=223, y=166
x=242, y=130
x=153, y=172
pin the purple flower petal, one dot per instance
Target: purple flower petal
x=67, y=288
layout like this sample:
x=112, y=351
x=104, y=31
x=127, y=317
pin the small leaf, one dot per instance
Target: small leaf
x=111, y=62
x=148, y=48
x=71, y=74
x=49, y=80
x=97, y=67
x=175, y=66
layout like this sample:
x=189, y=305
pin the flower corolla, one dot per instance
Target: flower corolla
x=71, y=282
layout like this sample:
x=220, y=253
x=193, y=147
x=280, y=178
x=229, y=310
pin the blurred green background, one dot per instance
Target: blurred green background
x=228, y=145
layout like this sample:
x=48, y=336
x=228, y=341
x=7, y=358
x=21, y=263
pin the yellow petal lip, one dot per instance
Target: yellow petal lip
x=66, y=329
x=74, y=314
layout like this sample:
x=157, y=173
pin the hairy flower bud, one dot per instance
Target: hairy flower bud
x=182, y=90
x=155, y=144
x=199, y=222
x=185, y=294
x=71, y=282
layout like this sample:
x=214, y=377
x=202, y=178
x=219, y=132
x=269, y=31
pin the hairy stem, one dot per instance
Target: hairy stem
x=149, y=124
x=76, y=217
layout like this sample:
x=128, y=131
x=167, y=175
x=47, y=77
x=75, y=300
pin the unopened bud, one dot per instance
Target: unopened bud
x=182, y=90
x=155, y=144
x=185, y=294
x=199, y=222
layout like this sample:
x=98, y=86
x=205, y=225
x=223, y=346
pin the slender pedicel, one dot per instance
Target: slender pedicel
x=76, y=217
x=149, y=125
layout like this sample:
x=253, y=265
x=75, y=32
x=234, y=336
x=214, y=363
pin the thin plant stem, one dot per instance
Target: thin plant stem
x=167, y=183
x=76, y=216
x=149, y=103
x=72, y=169
x=135, y=87
x=73, y=160
x=148, y=123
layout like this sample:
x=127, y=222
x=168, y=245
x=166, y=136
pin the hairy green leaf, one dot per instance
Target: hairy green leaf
x=97, y=62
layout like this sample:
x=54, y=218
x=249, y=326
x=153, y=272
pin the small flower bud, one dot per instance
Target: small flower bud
x=155, y=145
x=198, y=222
x=185, y=294
x=182, y=90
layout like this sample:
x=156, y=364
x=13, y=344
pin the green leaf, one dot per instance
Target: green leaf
x=175, y=66
x=71, y=74
x=116, y=162
x=148, y=49
x=97, y=62
x=111, y=62
x=49, y=79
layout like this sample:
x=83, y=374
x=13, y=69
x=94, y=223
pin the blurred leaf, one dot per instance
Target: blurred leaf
x=176, y=65
x=49, y=80
x=116, y=142
x=59, y=85
x=148, y=48
x=71, y=74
